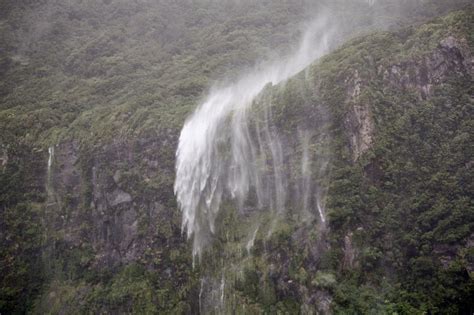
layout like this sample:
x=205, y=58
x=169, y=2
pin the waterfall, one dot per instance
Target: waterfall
x=222, y=290
x=50, y=158
x=218, y=158
x=320, y=210
x=201, y=288
x=305, y=172
x=251, y=241
x=212, y=295
x=49, y=189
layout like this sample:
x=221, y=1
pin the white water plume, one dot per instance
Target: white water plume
x=321, y=213
x=251, y=241
x=222, y=289
x=50, y=158
x=217, y=157
x=49, y=188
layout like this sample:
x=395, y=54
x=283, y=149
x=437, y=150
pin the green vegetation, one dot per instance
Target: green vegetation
x=21, y=196
x=109, y=85
x=409, y=196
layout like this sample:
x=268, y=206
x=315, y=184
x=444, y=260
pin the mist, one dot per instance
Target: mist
x=236, y=157
x=205, y=174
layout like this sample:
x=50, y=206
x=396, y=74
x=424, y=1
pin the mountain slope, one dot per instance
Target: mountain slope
x=97, y=228
x=391, y=113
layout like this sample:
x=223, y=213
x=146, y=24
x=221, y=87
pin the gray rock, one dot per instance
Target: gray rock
x=118, y=197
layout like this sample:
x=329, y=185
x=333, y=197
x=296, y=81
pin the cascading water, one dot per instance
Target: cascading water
x=241, y=170
x=306, y=172
x=48, y=172
x=50, y=158
x=217, y=157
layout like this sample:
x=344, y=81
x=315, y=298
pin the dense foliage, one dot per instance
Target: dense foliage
x=409, y=199
x=110, y=83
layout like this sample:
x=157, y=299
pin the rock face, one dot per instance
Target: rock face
x=451, y=58
x=359, y=123
x=117, y=200
x=93, y=199
x=349, y=252
x=111, y=207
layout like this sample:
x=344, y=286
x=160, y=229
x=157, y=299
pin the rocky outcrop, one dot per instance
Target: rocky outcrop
x=350, y=252
x=359, y=123
x=104, y=198
x=451, y=58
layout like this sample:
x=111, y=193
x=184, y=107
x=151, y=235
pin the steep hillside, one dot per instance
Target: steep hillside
x=390, y=114
x=91, y=109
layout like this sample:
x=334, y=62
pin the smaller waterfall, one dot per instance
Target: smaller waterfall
x=321, y=212
x=251, y=241
x=305, y=172
x=201, y=289
x=49, y=188
x=222, y=289
x=212, y=295
x=50, y=158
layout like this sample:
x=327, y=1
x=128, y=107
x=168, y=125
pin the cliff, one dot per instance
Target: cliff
x=90, y=224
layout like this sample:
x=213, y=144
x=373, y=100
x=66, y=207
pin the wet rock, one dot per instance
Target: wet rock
x=360, y=127
x=350, y=253
x=452, y=57
x=323, y=301
x=358, y=122
x=96, y=203
x=118, y=197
